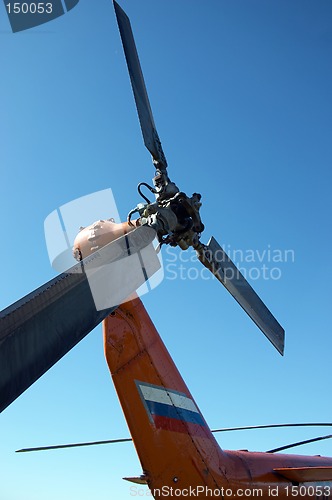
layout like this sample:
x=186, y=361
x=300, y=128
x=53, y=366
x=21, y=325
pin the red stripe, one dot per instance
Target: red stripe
x=175, y=425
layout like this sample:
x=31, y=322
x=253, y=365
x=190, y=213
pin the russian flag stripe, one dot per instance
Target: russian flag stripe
x=162, y=395
x=169, y=409
x=165, y=410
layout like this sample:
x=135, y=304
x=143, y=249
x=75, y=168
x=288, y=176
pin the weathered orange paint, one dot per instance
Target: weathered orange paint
x=97, y=235
x=187, y=459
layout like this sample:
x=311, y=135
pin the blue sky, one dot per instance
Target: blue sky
x=241, y=95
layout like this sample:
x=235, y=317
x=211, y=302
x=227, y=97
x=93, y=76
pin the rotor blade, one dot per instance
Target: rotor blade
x=123, y=440
x=299, y=443
x=150, y=134
x=37, y=330
x=217, y=261
x=74, y=445
x=272, y=426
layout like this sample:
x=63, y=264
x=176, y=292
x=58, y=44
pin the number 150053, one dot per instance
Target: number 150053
x=29, y=8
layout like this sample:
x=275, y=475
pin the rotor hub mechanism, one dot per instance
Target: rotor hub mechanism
x=173, y=215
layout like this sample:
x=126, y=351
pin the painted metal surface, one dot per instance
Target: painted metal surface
x=177, y=450
x=97, y=235
x=174, y=451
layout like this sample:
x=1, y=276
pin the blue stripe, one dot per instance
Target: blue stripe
x=170, y=411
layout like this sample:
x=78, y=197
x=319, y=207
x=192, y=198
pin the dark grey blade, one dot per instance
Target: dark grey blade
x=39, y=329
x=272, y=426
x=299, y=443
x=125, y=440
x=215, y=259
x=74, y=445
x=150, y=134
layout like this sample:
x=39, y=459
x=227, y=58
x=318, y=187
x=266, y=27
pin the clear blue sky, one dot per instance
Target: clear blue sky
x=241, y=94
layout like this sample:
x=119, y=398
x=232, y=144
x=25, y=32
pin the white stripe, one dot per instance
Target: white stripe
x=161, y=395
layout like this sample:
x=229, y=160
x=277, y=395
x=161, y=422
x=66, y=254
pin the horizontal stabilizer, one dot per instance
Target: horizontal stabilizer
x=136, y=480
x=216, y=259
x=305, y=474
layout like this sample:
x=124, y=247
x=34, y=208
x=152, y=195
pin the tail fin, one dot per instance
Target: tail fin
x=174, y=443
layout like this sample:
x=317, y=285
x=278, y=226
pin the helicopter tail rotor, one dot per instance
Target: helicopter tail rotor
x=174, y=215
